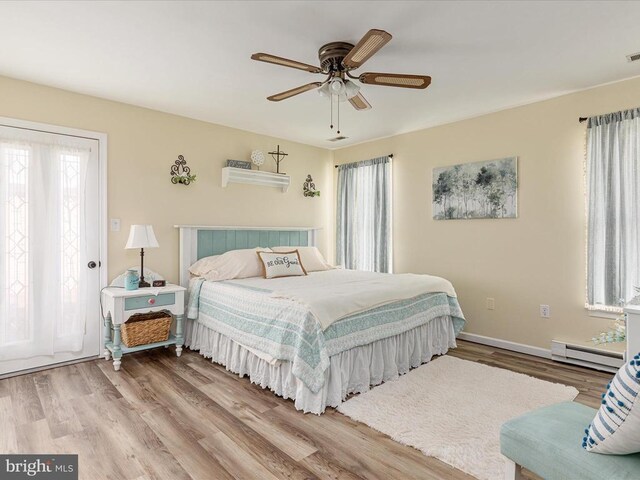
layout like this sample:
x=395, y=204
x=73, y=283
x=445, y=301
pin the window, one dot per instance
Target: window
x=363, y=229
x=613, y=208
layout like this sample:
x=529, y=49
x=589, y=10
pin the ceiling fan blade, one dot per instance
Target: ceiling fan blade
x=395, y=80
x=359, y=102
x=294, y=91
x=285, y=62
x=368, y=45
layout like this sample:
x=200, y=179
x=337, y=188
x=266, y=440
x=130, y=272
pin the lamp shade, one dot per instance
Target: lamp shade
x=141, y=236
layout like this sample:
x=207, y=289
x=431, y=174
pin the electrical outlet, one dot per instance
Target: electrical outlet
x=545, y=311
x=115, y=224
x=491, y=304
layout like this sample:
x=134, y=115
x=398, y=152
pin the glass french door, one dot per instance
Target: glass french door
x=49, y=249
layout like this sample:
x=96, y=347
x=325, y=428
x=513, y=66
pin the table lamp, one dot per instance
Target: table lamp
x=142, y=236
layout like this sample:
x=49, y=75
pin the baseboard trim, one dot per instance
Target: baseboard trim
x=48, y=367
x=505, y=344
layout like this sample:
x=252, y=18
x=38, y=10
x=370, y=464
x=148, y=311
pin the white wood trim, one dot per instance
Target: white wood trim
x=50, y=366
x=255, y=177
x=603, y=314
x=188, y=252
x=189, y=242
x=104, y=217
x=507, y=345
x=49, y=128
x=103, y=222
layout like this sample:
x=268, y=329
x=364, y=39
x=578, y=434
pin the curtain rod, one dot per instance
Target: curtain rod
x=583, y=119
x=389, y=155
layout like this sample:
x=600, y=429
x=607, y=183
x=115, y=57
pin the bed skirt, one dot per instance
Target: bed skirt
x=352, y=371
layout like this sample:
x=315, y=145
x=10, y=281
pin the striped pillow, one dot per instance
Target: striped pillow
x=616, y=427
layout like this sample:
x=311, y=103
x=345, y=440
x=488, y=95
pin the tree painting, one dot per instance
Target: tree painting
x=476, y=190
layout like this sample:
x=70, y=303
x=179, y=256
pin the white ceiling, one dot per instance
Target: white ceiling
x=192, y=58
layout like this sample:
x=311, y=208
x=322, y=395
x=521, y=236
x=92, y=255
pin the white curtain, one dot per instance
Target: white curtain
x=42, y=285
x=613, y=184
x=363, y=230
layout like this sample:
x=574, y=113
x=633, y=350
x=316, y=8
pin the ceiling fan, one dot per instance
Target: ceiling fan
x=337, y=61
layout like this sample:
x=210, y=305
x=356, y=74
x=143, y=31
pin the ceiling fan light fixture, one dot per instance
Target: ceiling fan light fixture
x=337, y=86
x=324, y=91
x=350, y=89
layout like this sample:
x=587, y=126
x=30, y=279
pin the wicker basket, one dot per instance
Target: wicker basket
x=144, y=328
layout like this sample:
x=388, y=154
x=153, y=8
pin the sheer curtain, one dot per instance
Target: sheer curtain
x=42, y=220
x=613, y=184
x=363, y=230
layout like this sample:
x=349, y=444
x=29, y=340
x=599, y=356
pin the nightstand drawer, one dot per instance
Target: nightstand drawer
x=137, y=303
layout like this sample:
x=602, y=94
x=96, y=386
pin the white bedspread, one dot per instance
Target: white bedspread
x=335, y=294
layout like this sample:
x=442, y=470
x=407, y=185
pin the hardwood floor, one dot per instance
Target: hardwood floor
x=163, y=417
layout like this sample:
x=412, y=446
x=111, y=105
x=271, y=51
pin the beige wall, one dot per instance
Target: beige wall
x=538, y=258
x=142, y=146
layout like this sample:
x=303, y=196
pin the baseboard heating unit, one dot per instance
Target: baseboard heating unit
x=585, y=356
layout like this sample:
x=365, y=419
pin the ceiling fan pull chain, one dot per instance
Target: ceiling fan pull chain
x=331, y=102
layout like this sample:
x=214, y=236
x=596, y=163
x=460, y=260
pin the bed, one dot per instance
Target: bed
x=275, y=331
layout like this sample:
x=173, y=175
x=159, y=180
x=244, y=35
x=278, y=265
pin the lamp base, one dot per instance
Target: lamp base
x=143, y=284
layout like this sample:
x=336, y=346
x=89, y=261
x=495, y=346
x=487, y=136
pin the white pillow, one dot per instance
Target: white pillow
x=203, y=266
x=615, y=429
x=310, y=257
x=283, y=264
x=236, y=264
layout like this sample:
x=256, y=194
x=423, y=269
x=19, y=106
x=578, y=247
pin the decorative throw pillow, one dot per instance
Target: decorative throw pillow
x=616, y=427
x=282, y=264
x=235, y=264
x=310, y=257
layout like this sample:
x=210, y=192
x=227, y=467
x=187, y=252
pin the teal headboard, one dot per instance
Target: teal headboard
x=215, y=242
x=198, y=241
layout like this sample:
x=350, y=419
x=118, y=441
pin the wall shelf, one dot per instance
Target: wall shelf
x=255, y=177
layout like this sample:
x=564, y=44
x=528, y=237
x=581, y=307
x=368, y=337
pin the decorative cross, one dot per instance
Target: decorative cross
x=278, y=156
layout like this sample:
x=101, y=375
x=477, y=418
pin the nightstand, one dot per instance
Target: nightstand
x=119, y=304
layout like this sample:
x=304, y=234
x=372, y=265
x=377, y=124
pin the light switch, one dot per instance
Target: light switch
x=115, y=224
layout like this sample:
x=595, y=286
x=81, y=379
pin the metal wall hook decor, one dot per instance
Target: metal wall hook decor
x=180, y=173
x=278, y=156
x=309, y=188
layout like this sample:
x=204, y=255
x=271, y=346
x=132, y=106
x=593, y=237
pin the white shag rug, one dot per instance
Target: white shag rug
x=452, y=409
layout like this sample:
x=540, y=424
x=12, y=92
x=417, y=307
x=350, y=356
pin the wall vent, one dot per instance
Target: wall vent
x=634, y=57
x=337, y=139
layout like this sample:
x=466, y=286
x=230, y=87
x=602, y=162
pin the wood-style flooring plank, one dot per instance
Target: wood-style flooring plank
x=60, y=414
x=236, y=459
x=185, y=449
x=185, y=418
x=295, y=446
x=8, y=438
x=26, y=403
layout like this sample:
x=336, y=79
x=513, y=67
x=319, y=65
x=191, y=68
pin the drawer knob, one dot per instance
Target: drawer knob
x=152, y=301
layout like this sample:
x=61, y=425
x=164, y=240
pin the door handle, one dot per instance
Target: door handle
x=92, y=264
